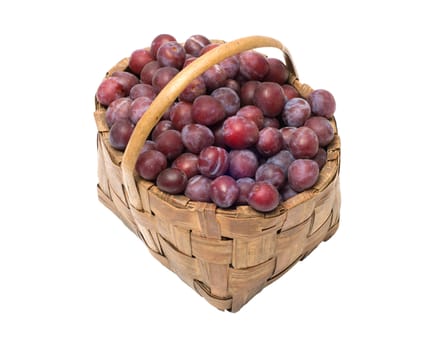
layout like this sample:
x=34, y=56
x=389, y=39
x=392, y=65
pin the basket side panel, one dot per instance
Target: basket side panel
x=245, y=283
x=290, y=246
x=216, y=277
x=150, y=238
x=318, y=236
x=103, y=181
x=212, y=250
x=298, y=211
x=112, y=169
x=337, y=204
x=325, y=202
x=110, y=188
x=246, y=223
x=186, y=267
x=253, y=251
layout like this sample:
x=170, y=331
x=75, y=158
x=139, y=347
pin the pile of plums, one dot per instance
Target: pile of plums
x=239, y=134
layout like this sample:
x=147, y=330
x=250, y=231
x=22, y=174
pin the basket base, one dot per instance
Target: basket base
x=243, y=295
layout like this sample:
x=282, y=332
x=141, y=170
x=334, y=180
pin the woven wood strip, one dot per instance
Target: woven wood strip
x=207, y=225
x=150, y=239
x=253, y=251
x=103, y=179
x=218, y=302
x=213, y=251
x=247, y=223
x=316, y=237
x=226, y=255
x=245, y=283
x=186, y=267
x=216, y=277
x=290, y=245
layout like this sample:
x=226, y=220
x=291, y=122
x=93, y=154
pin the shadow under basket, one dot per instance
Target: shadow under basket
x=226, y=255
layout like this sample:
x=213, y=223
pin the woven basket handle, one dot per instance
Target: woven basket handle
x=174, y=88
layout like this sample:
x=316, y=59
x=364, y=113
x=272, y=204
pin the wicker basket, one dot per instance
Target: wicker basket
x=226, y=255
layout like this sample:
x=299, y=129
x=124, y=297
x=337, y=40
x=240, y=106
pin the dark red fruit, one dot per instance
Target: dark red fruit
x=287, y=132
x=323, y=129
x=171, y=54
x=304, y=143
x=245, y=184
x=270, y=98
x=271, y=173
x=180, y=115
x=148, y=71
x=198, y=188
x=271, y=122
x=120, y=133
x=253, y=113
x=321, y=157
x=128, y=80
x=208, y=47
x=118, y=109
x=242, y=163
x=150, y=163
x=188, y=163
x=290, y=91
x=214, y=77
x=169, y=142
x=287, y=192
x=172, y=180
x=196, y=137
x=142, y=90
x=195, y=43
x=270, y=142
x=207, y=110
x=224, y=191
x=228, y=98
x=234, y=85
x=148, y=145
x=322, y=103
x=278, y=72
x=138, y=107
x=138, y=59
x=253, y=65
x=231, y=66
x=263, y=197
x=161, y=126
x=218, y=135
x=239, y=132
x=162, y=76
x=283, y=159
x=303, y=174
x=213, y=161
x=109, y=90
x=158, y=41
x=247, y=92
x=295, y=112
x=195, y=88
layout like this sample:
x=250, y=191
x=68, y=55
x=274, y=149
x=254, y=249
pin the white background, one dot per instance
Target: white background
x=72, y=276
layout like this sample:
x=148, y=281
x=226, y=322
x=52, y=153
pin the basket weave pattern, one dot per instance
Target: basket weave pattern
x=226, y=255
